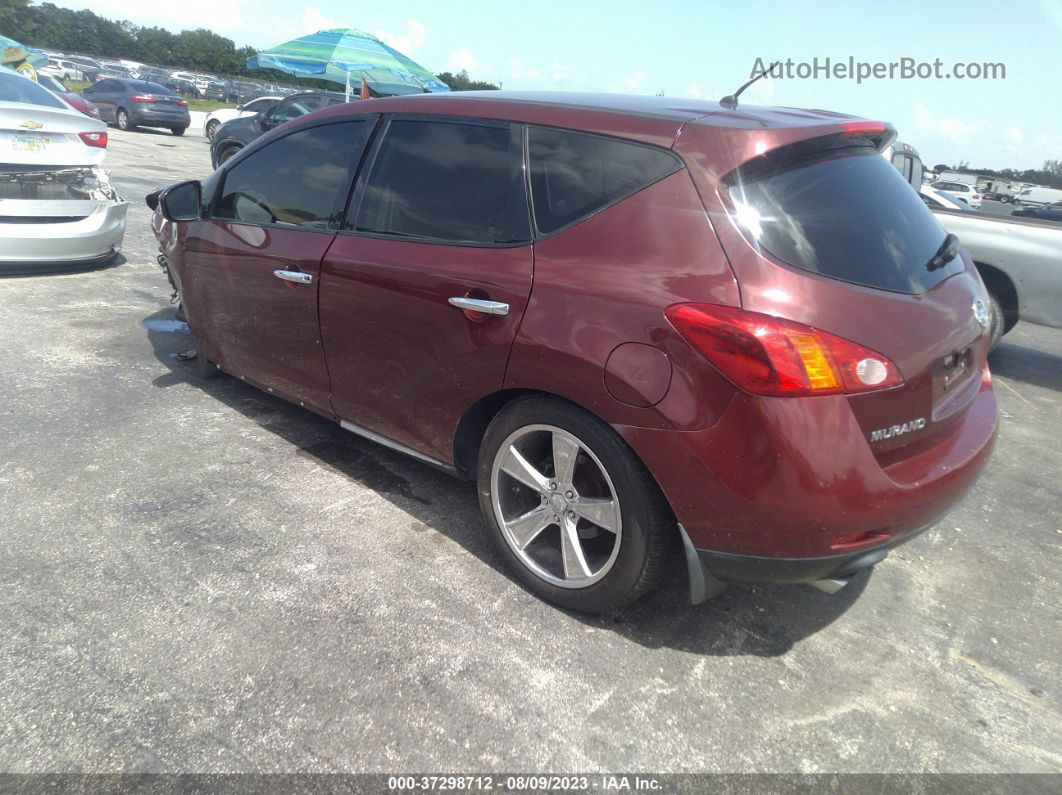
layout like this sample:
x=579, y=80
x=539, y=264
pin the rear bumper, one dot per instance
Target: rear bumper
x=160, y=118
x=93, y=237
x=784, y=479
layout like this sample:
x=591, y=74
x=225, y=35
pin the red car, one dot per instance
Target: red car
x=642, y=325
x=76, y=101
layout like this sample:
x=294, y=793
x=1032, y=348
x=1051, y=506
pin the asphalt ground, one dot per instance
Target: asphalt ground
x=197, y=576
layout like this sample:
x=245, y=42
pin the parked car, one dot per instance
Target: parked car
x=57, y=206
x=934, y=198
x=181, y=86
x=961, y=190
x=1036, y=196
x=62, y=69
x=1050, y=212
x=1016, y=259
x=234, y=135
x=72, y=98
x=89, y=67
x=216, y=118
x=624, y=317
x=137, y=103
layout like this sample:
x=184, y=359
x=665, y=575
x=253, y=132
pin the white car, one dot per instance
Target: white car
x=216, y=118
x=938, y=199
x=57, y=205
x=62, y=69
x=968, y=193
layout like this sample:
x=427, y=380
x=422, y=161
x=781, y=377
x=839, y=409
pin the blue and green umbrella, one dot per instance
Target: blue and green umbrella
x=342, y=56
x=21, y=58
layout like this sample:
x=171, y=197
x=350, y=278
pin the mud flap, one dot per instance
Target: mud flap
x=703, y=586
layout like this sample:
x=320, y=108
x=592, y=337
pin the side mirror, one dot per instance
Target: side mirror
x=182, y=202
x=239, y=108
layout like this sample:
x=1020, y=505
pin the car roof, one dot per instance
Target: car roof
x=651, y=119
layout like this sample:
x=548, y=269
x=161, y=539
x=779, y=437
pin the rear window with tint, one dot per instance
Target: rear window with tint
x=847, y=214
x=576, y=174
x=16, y=88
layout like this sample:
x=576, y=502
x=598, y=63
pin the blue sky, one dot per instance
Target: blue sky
x=706, y=49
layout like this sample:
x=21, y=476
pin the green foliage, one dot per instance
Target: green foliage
x=462, y=82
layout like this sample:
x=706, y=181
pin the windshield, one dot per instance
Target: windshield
x=846, y=214
x=16, y=88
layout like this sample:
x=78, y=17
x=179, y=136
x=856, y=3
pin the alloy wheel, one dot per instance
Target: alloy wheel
x=556, y=506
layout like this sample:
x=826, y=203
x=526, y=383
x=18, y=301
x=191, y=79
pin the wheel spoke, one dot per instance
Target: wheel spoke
x=601, y=512
x=527, y=527
x=565, y=452
x=518, y=467
x=575, y=567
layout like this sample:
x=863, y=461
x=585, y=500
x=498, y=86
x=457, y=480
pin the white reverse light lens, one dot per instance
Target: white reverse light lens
x=871, y=371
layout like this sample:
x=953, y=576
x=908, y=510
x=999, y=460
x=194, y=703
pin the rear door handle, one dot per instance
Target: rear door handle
x=478, y=305
x=294, y=276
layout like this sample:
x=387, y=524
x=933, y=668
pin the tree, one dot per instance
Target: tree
x=941, y=167
x=462, y=82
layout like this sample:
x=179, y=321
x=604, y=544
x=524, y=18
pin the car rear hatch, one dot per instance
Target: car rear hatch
x=822, y=230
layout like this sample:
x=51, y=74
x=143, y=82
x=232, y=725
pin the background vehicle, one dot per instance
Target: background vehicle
x=957, y=176
x=960, y=190
x=797, y=396
x=1050, y=212
x=62, y=69
x=234, y=135
x=72, y=98
x=1037, y=196
x=89, y=67
x=945, y=201
x=134, y=103
x=907, y=161
x=216, y=118
x=1004, y=190
x=57, y=206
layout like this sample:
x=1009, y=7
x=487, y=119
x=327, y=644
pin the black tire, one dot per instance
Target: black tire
x=227, y=152
x=212, y=129
x=998, y=324
x=122, y=120
x=178, y=130
x=649, y=534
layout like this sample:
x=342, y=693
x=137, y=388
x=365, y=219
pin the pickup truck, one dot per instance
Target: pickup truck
x=1020, y=262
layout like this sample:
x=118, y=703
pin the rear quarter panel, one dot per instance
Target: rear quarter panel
x=606, y=281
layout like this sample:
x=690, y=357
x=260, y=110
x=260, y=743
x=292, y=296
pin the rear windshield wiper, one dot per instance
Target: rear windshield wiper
x=945, y=254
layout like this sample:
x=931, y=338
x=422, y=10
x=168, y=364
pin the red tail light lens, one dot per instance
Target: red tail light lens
x=144, y=99
x=767, y=355
x=182, y=103
x=871, y=129
x=97, y=139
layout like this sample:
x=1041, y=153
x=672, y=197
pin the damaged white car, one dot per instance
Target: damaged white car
x=57, y=205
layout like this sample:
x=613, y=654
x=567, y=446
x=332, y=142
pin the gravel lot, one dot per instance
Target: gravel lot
x=200, y=577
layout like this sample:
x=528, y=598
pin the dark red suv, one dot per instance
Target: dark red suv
x=641, y=324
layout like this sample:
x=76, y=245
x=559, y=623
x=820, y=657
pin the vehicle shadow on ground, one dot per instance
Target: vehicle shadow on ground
x=1028, y=365
x=743, y=620
x=38, y=270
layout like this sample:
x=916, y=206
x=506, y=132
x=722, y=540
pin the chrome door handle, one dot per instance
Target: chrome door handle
x=477, y=305
x=294, y=276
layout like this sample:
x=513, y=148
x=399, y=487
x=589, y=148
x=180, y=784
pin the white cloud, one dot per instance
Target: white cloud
x=407, y=42
x=1014, y=135
x=950, y=127
x=634, y=80
x=223, y=15
x=518, y=70
x=693, y=91
x=313, y=20
x=462, y=59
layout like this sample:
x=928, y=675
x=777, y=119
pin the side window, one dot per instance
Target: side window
x=575, y=174
x=293, y=108
x=295, y=180
x=452, y=181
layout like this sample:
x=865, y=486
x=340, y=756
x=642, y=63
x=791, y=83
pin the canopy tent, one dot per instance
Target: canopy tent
x=342, y=55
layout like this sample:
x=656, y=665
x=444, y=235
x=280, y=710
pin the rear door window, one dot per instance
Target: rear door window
x=846, y=214
x=298, y=180
x=449, y=181
x=573, y=175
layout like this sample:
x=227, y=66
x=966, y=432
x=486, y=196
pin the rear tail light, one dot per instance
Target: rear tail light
x=767, y=355
x=871, y=129
x=144, y=99
x=182, y=103
x=97, y=139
